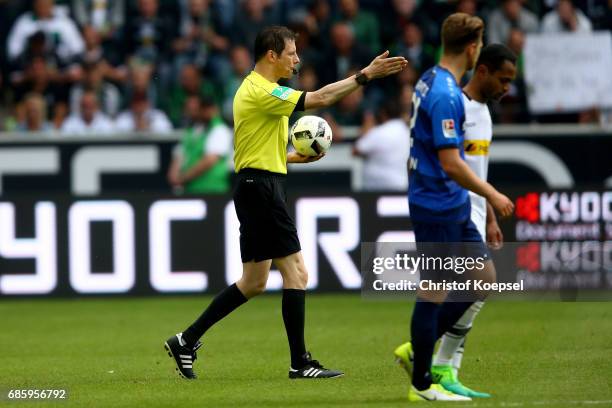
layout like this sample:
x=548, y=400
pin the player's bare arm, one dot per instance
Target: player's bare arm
x=458, y=170
x=380, y=67
x=494, y=237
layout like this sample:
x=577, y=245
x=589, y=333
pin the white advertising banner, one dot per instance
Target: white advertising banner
x=568, y=72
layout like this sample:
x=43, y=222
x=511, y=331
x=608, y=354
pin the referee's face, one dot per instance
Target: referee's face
x=287, y=60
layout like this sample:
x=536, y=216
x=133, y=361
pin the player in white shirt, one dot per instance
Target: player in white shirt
x=494, y=72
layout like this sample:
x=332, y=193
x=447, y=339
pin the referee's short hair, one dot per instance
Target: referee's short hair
x=272, y=38
x=459, y=30
x=493, y=56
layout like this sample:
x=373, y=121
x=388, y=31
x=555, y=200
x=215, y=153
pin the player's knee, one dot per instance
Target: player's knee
x=251, y=287
x=258, y=287
x=301, y=275
x=303, y=279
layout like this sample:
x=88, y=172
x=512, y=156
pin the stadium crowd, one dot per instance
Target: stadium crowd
x=146, y=65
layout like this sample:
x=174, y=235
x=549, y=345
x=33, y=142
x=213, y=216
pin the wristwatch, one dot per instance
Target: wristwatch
x=361, y=78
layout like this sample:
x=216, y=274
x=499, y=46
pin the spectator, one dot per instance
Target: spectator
x=411, y=46
x=344, y=55
x=430, y=15
x=140, y=75
x=250, y=19
x=385, y=149
x=191, y=84
x=364, y=24
x=467, y=6
x=242, y=62
x=226, y=12
x=566, y=18
x=513, y=107
x=105, y=17
x=198, y=34
x=106, y=92
x=349, y=111
x=510, y=15
x=318, y=22
x=63, y=37
x=307, y=79
x=40, y=69
x=35, y=115
x=401, y=13
x=149, y=34
x=199, y=165
x=409, y=75
x=93, y=45
x=142, y=118
x=89, y=120
x=111, y=60
x=516, y=41
x=309, y=55
x=405, y=102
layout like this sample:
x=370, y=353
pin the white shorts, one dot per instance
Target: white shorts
x=479, y=214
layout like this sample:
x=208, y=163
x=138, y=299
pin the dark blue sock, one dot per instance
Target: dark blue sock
x=423, y=329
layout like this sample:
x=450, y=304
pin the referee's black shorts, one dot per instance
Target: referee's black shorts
x=267, y=231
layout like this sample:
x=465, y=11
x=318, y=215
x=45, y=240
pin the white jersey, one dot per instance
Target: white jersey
x=478, y=133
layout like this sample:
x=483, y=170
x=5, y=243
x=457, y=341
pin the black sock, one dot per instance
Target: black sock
x=293, y=316
x=222, y=305
x=423, y=329
x=450, y=312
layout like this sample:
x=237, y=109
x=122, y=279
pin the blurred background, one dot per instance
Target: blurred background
x=116, y=133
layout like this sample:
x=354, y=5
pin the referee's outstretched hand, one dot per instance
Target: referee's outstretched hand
x=295, y=157
x=383, y=66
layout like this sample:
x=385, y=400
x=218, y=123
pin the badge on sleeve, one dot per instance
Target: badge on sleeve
x=282, y=92
x=448, y=128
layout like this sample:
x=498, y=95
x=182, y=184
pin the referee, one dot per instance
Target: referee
x=267, y=231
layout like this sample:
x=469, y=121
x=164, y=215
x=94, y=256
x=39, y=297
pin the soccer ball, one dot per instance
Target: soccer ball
x=311, y=135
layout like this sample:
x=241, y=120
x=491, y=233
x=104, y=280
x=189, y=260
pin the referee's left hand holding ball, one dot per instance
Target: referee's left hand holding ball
x=295, y=157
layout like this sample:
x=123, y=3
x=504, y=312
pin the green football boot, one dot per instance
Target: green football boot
x=446, y=377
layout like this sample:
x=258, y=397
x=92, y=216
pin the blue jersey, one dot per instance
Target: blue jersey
x=437, y=123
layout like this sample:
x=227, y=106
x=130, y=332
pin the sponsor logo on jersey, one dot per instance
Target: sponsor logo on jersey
x=448, y=128
x=476, y=147
x=282, y=92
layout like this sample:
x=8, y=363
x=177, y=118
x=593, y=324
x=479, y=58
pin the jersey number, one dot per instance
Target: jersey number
x=416, y=102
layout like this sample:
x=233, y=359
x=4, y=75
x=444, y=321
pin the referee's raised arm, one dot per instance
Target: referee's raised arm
x=380, y=67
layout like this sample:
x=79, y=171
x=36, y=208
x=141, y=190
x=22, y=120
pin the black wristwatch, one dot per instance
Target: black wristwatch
x=361, y=78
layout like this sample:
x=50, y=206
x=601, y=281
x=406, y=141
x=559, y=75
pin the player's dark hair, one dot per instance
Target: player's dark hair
x=460, y=30
x=272, y=38
x=493, y=56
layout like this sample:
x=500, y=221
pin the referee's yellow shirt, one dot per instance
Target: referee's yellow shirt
x=261, y=124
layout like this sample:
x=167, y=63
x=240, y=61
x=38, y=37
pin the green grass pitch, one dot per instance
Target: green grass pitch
x=107, y=352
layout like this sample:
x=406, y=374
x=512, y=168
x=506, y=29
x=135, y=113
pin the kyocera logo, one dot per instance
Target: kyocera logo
x=565, y=207
x=528, y=207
